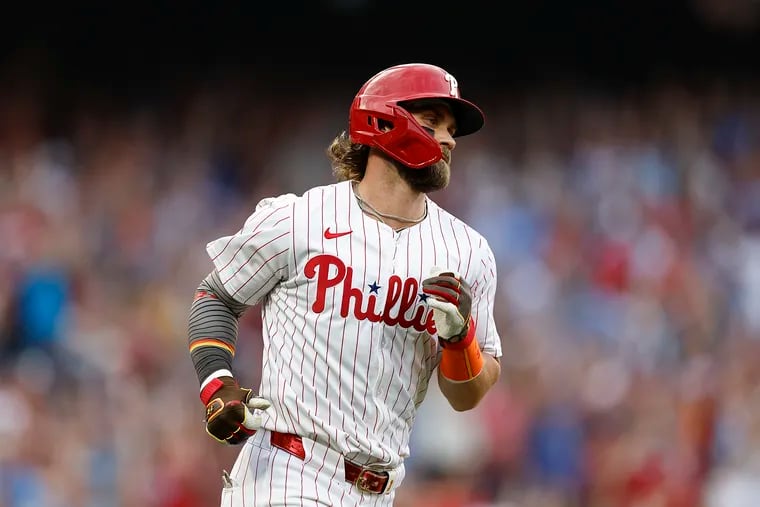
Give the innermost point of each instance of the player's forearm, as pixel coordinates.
(213, 327)
(466, 395)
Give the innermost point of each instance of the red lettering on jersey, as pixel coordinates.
(409, 297)
(394, 292)
(401, 292)
(324, 282)
(349, 293)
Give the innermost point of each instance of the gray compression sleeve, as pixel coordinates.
(213, 327)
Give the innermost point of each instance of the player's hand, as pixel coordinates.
(451, 302)
(232, 413)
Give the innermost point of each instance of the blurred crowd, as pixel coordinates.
(626, 229)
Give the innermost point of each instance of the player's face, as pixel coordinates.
(437, 118)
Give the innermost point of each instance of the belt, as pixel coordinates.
(365, 479)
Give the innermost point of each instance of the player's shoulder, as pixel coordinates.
(327, 189)
(271, 210)
(319, 196)
(275, 201)
(314, 197)
(454, 226)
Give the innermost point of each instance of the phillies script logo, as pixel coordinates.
(402, 292)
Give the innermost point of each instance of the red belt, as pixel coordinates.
(372, 481)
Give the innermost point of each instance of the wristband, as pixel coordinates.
(211, 388)
(462, 361)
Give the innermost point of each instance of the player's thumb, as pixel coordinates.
(448, 320)
(443, 306)
(252, 412)
(435, 271)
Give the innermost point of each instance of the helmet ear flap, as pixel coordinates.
(379, 124)
(406, 140)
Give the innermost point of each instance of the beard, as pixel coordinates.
(428, 179)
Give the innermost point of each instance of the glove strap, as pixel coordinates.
(211, 388)
(462, 361)
(464, 342)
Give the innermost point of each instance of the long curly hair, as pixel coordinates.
(348, 159)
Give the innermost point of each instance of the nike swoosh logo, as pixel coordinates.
(333, 235)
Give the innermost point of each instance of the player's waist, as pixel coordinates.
(372, 432)
(369, 478)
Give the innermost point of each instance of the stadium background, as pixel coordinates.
(617, 178)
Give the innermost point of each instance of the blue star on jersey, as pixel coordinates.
(423, 297)
(373, 287)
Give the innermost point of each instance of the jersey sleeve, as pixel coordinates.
(255, 259)
(483, 295)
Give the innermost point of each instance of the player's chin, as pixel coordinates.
(428, 179)
(439, 176)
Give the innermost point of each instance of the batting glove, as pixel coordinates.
(451, 303)
(232, 413)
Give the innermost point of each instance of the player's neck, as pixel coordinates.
(385, 191)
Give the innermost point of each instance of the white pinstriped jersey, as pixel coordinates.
(349, 343)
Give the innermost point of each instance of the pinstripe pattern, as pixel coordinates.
(343, 365)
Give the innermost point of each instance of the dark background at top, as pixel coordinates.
(146, 50)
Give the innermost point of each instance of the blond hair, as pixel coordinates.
(348, 159)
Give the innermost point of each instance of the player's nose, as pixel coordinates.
(447, 140)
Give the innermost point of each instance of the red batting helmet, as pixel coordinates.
(382, 98)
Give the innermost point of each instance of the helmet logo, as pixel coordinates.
(454, 90)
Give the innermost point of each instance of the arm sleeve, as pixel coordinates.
(484, 293)
(212, 328)
(255, 259)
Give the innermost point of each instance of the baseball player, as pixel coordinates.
(367, 287)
